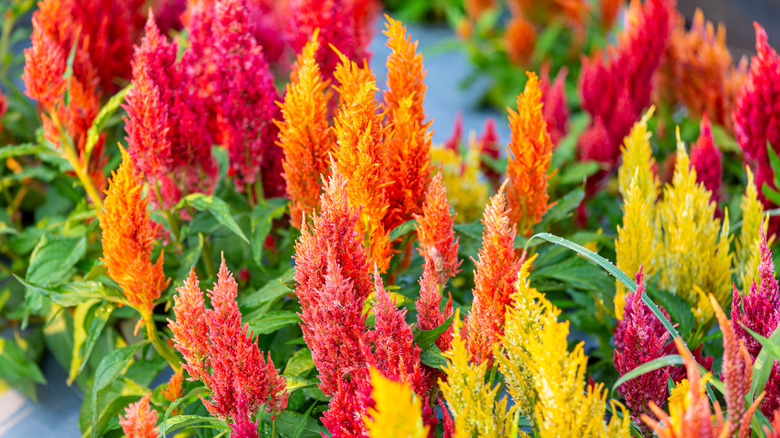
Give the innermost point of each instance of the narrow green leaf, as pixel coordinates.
(288, 423)
(72, 294)
(218, 208)
(665, 361)
(562, 208)
(184, 421)
(100, 315)
(426, 338)
(302, 422)
(11, 151)
(93, 133)
(270, 291)
(295, 383)
(195, 392)
(190, 257)
(107, 371)
(762, 366)
(402, 230)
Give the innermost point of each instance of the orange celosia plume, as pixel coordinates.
(494, 280)
(304, 135)
(361, 157)
(173, 390)
(140, 420)
(530, 151)
(409, 135)
(128, 235)
(438, 244)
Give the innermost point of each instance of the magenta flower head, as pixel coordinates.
(706, 159)
(640, 338)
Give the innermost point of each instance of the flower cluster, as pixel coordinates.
(222, 353)
(128, 236)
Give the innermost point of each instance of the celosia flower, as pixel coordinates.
(438, 244)
(3, 108)
(639, 338)
(128, 236)
(609, 10)
(554, 106)
(244, 99)
(706, 159)
(140, 419)
(472, 401)
(758, 311)
(755, 122)
(695, 68)
(748, 240)
(304, 134)
(222, 353)
(689, 416)
(494, 280)
(408, 140)
(428, 305)
(396, 412)
(531, 150)
(166, 124)
(636, 245)
(737, 372)
(694, 256)
(638, 162)
(173, 390)
(243, 427)
(465, 183)
(347, 25)
(361, 156)
(615, 90)
(488, 144)
(543, 375)
(54, 34)
(519, 39)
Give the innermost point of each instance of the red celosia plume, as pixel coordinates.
(128, 236)
(554, 106)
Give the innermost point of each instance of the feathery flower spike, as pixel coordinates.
(396, 412)
(173, 389)
(140, 420)
(223, 354)
(689, 416)
(409, 135)
(304, 134)
(128, 236)
(494, 279)
(438, 244)
(706, 159)
(639, 338)
(530, 151)
(361, 156)
(748, 240)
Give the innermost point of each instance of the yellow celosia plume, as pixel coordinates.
(694, 257)
(467, 188)
(472, 401)
(397, 413)
(638, 162)
(540, 371)
(747, 254)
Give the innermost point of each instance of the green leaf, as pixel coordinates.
(300, 363)
(567, 147)
(762, 366)
(195, 392)
(665, 361)
(403, 229)
(771, 194)
(190, 257)
(288, 423)
(433, 358)
(273, 321)
(262, 218)
(14, 364)
(724, 140)
(576, 173)
(770, 346)
(107, 371)
(295, 383)
(184, 421)
(426, 338)
(96, 315)
(302, 422)
(774, 162)
(72, 294)
(272, 290)
(53, 257)
(93, 133)
(11, 151)
(217, 207)
(562, 208)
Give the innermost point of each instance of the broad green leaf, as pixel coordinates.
(93, 133)
(403, 229)
(295, 383)
(184, 421)
(53, 257)
(272, 290)
(433, 358)
(218, 208)
(272, 322)
(665, 361)
(96, 316)
(300, 363)
(15, 366)
(426, 338)
(577, 172)
(107, 371)
(262, 218)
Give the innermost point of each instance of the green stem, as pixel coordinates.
(273, 428)
(208, 262)
(169, 216)
(165, 352)
(5, 37)
(73, 158)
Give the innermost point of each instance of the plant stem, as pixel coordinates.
(81, 171)
(172, 220)
(8, 25)
(273, 428)
(165, 352)
(208, 263)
